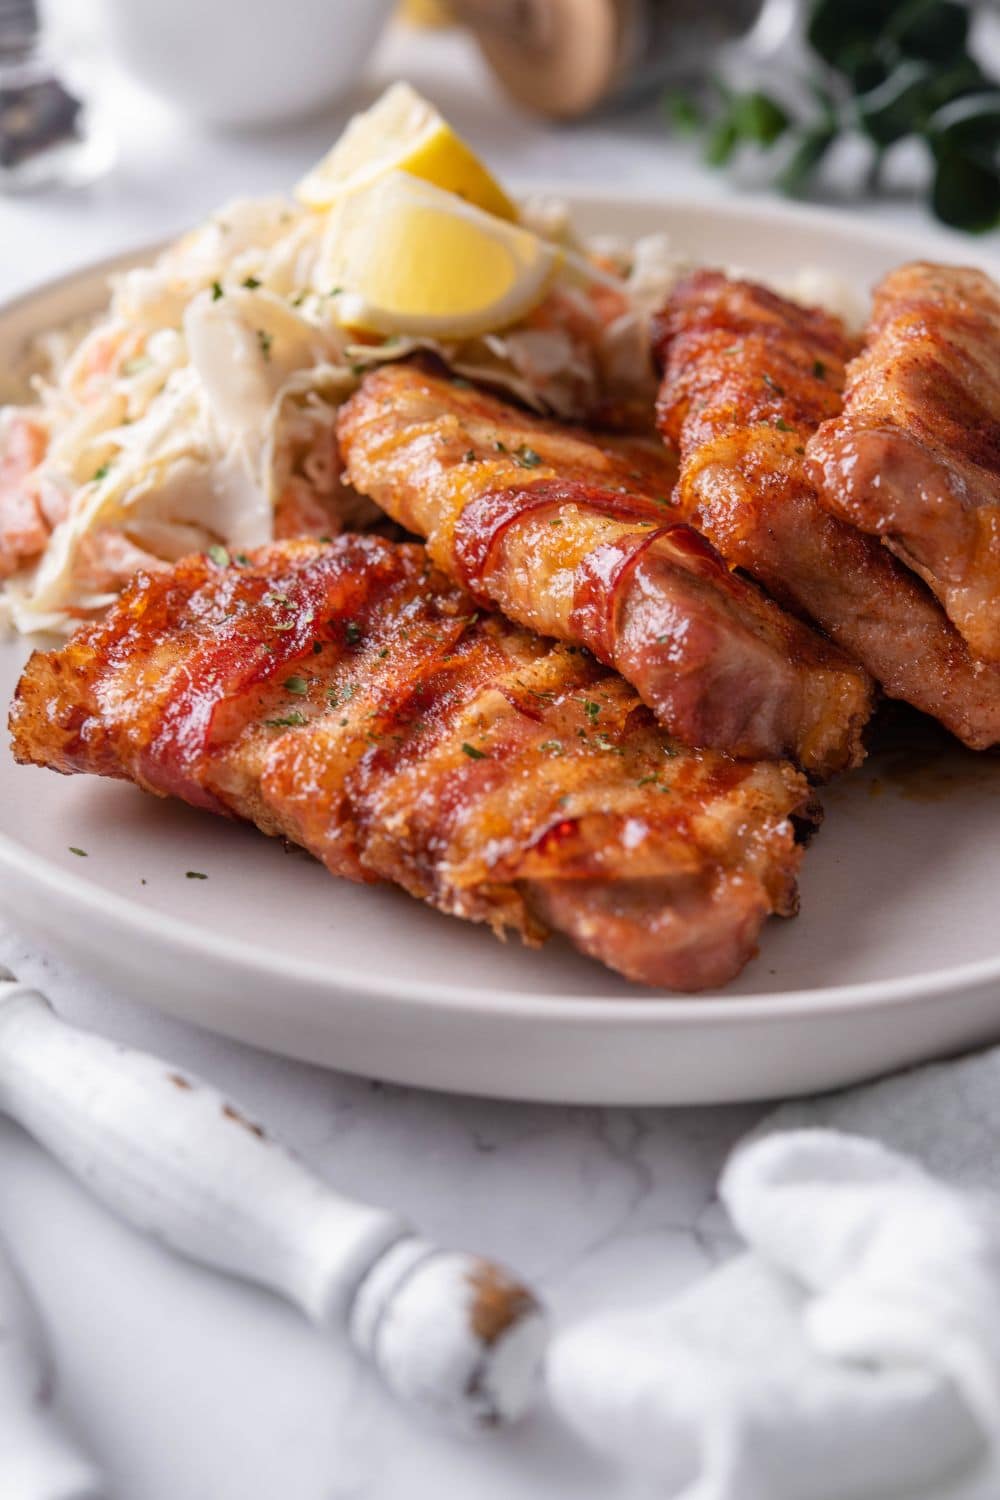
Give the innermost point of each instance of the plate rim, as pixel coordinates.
(497, 1003)
(650, 1008)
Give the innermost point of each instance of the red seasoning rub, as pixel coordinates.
(747, 379)
(573, 534)
(350, 698)
(914, 458)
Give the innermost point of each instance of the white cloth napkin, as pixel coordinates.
(853, 1352)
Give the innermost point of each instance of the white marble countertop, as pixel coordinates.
(189, 1387)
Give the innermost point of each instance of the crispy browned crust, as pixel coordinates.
(914, 457)
(573, 534)
(350, 698)
(748, 377)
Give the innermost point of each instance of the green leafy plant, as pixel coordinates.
(891, 70)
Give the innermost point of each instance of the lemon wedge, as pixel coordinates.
(406, 258)
(404, 132)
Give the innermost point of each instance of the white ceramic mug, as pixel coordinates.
(246, 62)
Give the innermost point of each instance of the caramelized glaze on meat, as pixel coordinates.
(351, 699)
(914, 457)
(748, 378)
(573, 535)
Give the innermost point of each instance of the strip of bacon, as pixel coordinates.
(572, 534)
(748, 378)
(914, 457)
(351, 699)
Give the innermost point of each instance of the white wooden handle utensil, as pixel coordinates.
(446, 1330)
(38, 1458)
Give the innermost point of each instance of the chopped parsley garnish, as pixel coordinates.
(217, 291)
(555, 521)
(552, 747)
(283, 602)
(645, 780)
(352, 630)
(251, 283)
(500, 447)
(342, 695)
(242, 561)
(287, 721)
(383, 653)
(335, 291)
(81, 852)
(219, 556)
(472, 752)
(469, 456)
(526, 457)
(819, 369)
(297, 685)
(773, 385)
(356, 369)
(102, 472)
(194, 875)
(317, 647)
(783, 426)
(591, 709)
(265, 340)
(298, 299)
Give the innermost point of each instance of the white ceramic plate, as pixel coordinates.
(895, 956)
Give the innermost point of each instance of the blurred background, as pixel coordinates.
(124, 120)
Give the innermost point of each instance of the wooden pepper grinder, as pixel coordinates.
(566, 57)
